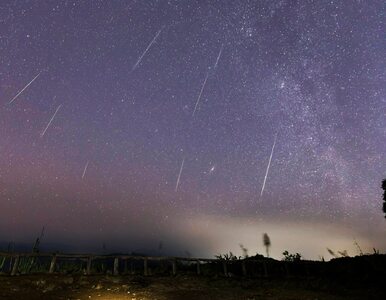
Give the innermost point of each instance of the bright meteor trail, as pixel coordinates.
(49, 123)
(147, 49)
(19, 93)
(85, 169)
(179, 175)
(199, 96)
(269, 164)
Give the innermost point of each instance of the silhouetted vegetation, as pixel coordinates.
(291, 257)
(244, 250)
(384, 195)
(343, 253)
(358, 247)
(227, 256)
(332, 253)
(258, 256)
(35, 248)
(267, 243)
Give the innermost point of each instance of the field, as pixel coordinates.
(179, 287)
(360, 277)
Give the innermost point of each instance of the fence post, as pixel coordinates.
(15, 266)
(307, 269)
(224, 266)
(53, 264)
(174, 266)
(132, 270)
(198, 267)
(286, 267)
(88, 268)
(145, 270)
(116, 266)
(10, 264)
(265, 269)
(244, 267)
(31, 264)
(125, 267)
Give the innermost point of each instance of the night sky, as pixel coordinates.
(189, 127)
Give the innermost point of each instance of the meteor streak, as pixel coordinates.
(218, 56)
(199, 96)
(85, 169)
(269, 164)
(49, 123)
(19, 93)
(179, 175)
(147, 49)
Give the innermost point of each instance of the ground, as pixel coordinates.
(186, 287)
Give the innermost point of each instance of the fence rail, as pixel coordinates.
(10, 264)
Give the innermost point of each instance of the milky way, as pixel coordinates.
(146, 85)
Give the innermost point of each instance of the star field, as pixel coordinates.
(144, 114)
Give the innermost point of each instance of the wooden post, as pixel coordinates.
(81, 264)
(145, 270)
(307, 269)
(287, 271)
(125, 266)
(116, 266)
(265, 269)
(10, 264)
(244, 267)
(53, 264)
(198, 267)
(88, 268)
(31, 264)
(174, 267)
(15, 266)
(224, 266)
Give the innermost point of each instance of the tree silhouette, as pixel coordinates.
(267, 243)
(384, 195)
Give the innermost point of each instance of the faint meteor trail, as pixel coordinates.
(85, 169)
(49, 123)
(269, 164)
(147, 49)
(199, 96)
(218, 56)
(206, 78)
(179, 175)
(19, 93)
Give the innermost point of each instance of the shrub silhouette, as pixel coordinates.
(291, 257)
(227, 256)
(244, 250)
(332, 253)
(384, 195)
(267, 243)
(343, 253)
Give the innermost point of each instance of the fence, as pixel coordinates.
(89, 264)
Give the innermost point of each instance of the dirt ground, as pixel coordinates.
(183, 287)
